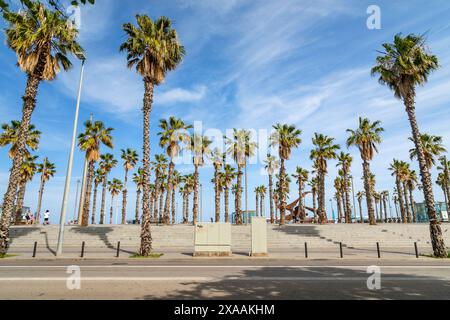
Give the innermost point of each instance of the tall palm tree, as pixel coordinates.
(302, 176)
(153, 47)
(10, 135)
(411, 183)
(257, 195)
(199, 146)
(42, 40)
(432, 148)
(397, 168)
(189, 182)
(272, 165)
(90, 141)
(138, 179)
(325, 149)
(227, 177)
(345, 162)
(338, 186)
(47, 171)
(98, 179)
(130, 159)
(285, 137)
(360, 195)
(27, 172)
(218, 159)
(174, 131)
(385, 196)
(366, 138)
(240, 147)
(114, 187)
(405, 64)
(262, 194)
(107, 163)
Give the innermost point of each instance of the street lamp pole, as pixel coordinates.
(332, 209)
(69, 169)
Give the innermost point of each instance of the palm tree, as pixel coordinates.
(10, 134)
(130, 159)
(189, 182)
(302, 176)
(107, 163)
(338, 196)
(199, 145)
(325, 150)
(432, 147)
(411, 183)
(360, 195)
(257, 194)
(405, 64)
(41, 39)
(366, 138)
(47, 171)
(442, 182)
(114, 187)
(262, 194)
(272, 165)
(385, 196)
(218, 159)
(138, 179)
(173, 132)
(286, 137)
(98, 179)
(226, 178)
(397, 168)
(153, 47)
(345, 162)
(27, 172)
(240, 147)
(90, 141)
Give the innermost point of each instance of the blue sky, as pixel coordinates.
(249, 64)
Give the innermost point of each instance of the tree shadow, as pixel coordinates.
(311, 284)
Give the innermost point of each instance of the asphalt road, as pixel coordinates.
(224, 279)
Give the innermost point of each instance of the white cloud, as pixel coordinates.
(181, 95)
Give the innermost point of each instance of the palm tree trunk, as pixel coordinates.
(261, 206)
(339, 208)
(385, 209)
(314, 204)
(301, 210)
(152, 218)
(187, 209)
(173, 206)
(408, 212)
(444, 191)
(323, 219)
(161, 206)
(87, 199)
(138, 197)
(376, 210)
(361, 216)
(146, 237)
(217, 193)
(157, 191)
(282, 193)
(238, 213)
(124, 198)
(437, 239)
(400, 199)
(368, 189)
(344, 207)
(196, 187)
(39, 205)
(111, 210)
(227, 216)
(102, 208)
(169, 193)
(257, 205)
(19, 204)
(413, 209)
(271, 199)
(94, 204)
(29, 102)
(348, 207)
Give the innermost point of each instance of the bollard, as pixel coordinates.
(82, 250)
(306, 250)
(118, 250)
(416, 249)
(378, 250)
(341, 250)
(34, 249)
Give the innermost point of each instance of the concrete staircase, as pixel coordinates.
(181, 237)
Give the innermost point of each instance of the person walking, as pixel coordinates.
(47, 218)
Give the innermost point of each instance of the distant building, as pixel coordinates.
(421, 210)
(246, 217)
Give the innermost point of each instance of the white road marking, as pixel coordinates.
(225, 267)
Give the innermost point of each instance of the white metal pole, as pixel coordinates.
(69, 169)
